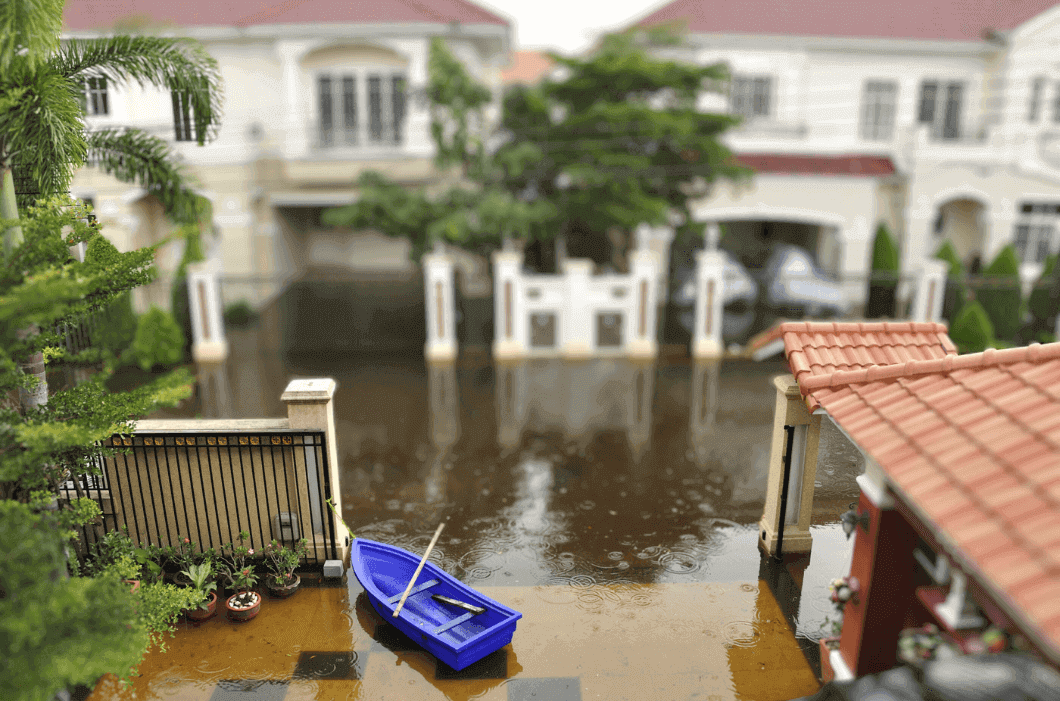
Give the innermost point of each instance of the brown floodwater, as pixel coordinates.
(613, 502)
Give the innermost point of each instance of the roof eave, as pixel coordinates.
(315, 29)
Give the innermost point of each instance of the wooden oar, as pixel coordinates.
(418, 569)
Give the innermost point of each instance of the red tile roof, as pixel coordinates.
(862, 166)
(102, 14)
(973, 440)
(527, 67)
(951, 20)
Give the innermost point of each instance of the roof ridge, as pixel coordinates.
(1035, 352)
(862, 326)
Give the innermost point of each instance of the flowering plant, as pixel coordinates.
(184, 553)
(233, 562)
(842, 591)
(282, 560)
(244, 579)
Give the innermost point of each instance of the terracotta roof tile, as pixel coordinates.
(974, 440)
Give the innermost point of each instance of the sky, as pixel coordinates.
(568, 26)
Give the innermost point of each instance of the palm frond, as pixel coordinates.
(42, 131)
(175, 64)
(134, 156)
(31, 27)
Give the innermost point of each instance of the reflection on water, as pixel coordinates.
(606, 470)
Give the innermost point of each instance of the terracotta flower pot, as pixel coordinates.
(242, 612)
(284, 590)
(134, 584)
(200, 614)
(827, 645)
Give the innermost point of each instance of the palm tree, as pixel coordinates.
(42, 127)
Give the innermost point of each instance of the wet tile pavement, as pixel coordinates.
(601, 641)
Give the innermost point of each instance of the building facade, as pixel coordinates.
(315, 94)
(940, 119)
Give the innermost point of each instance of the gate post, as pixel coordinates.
(441, 322)
(642, 334)
(578, 324)
(930, 289)
(710, 289)
(785, 524)
(509, 339)
(207, 323)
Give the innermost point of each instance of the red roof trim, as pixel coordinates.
(851, 165)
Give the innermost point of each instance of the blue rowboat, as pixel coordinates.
(454, 634)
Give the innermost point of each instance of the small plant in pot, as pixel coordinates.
(184, 557)
(246, 603)
(282, 561)
(233, 559)
(199, 575)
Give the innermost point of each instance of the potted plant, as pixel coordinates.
(232, 559)
(184, 557)
(201, 583)
(281, 560)
(245, 604)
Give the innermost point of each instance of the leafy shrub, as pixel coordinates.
(956, 289)
(1042, 305)
(884, 283)
(240, 314)
(1000, 294)
(159, 340)
(971, 330)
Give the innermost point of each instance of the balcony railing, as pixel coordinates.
(361, 136)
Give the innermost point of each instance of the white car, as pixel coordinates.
(738, 299)
(794, 283)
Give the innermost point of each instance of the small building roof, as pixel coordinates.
(527, 67)
(972, 440)
(947, 20)
(102, 14)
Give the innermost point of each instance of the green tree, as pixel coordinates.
(971, 330)
(616, 141)
(52, 631)
(884, 283)
(956, 289)
(999, 293)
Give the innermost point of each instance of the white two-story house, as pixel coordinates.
(315, 94)
(940, 118)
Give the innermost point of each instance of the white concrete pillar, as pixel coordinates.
(642, 337)
(310, 406)
(295, 121)
(441, 306)
(207, 323)
(790, 410)
(509, 335)
(578, 325)
(930, 291)
(712, 235)
(710, 289)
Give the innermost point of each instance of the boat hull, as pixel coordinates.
(455, 636)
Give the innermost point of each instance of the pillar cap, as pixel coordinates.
(314, 390)
(788, 385)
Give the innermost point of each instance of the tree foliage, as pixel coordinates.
(884, 284)
(614, 142)
(999, 293)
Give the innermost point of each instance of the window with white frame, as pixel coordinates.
(95, 96)
(1035, 105)
(357, 108)
(750, 96)
(877, 110)
(940, 107)
(1035, 236)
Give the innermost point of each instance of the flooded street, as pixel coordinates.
(613, 502)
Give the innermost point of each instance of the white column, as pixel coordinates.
(509, 339)
(712, 235)
(294, 122)
(710, 288)
(207, 324)
(441, 321)
(642, 330)
(578, 324)
(930, 290)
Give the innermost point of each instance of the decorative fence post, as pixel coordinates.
(577, 322)
(441, 321)
(710, 286)
(207, 324)
(508, 335)
(310, 407)
(930, 289)
(642, 337)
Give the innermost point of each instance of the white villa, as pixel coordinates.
(940, 118)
